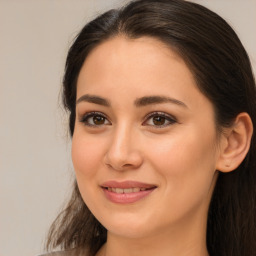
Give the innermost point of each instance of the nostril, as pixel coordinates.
(120, 158)
(127, 165)
(119, 168)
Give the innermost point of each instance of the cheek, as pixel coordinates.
(187, 165)
(86, 155)
(181, 152)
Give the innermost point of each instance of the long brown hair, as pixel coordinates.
(223, 73)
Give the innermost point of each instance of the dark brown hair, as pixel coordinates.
(223, 73)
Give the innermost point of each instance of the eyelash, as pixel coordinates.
(86, 117)
(167, 118)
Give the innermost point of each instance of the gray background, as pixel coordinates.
(35, 166)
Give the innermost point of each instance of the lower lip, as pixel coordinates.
(127, 198)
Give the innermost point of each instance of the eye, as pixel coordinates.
(159, 120)
(94, 119)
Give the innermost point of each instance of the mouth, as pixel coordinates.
(126, 192)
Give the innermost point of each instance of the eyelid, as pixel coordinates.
(89, 114)
(168, 117)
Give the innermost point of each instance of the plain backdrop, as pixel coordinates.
(35, 166)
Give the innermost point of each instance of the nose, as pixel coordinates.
(123, 152)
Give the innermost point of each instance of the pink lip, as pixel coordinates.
(126, 198)
(126, 184)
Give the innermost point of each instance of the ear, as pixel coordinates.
(235, 143)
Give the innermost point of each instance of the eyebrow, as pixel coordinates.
(94, 99)
(140, 102)
(150, 100)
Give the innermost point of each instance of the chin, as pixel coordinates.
(127, 227)
(129, 232)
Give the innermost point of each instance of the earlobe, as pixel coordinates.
(235, 143)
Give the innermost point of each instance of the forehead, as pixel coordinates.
(132, 68)
(146, 58)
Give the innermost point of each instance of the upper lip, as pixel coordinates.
(126, 184)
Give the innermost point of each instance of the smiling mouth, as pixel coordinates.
(126, 190)
(126, 195)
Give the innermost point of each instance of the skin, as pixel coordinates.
(180, 157)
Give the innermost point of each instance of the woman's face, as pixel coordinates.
(145, 147)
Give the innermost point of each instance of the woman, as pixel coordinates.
(161, 98)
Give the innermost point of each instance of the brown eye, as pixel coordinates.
(94, 119)
(99, 120)
(159, 120)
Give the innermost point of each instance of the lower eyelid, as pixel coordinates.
(168, 118)
(84, 119)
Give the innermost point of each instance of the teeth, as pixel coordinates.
(126, 190)
(136, 189)
(119, 191)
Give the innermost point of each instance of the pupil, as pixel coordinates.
(158, 120)
(98, 120)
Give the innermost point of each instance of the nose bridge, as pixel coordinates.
(121, 137)
(122, 151)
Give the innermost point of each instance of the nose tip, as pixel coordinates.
(121, 162)
(123, 154)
